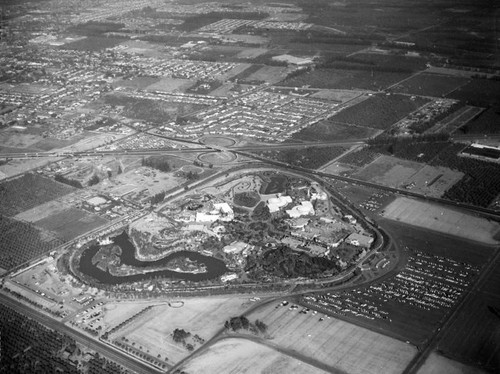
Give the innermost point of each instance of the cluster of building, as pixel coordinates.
(261, 114)
(141, 141)
(227, 26)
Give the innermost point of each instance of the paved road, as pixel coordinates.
(98, 346)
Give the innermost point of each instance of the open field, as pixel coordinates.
(389, 171)
(336, 95)
(244, 356)
(250, 53)
(71, 222)
(395, 172)
(28, 191)
(380, 111)
(269, 74)
(171, 85)
(329, 130)
(437, 364)
(198, 316)
(481, 182)
(442, 219)
(430, 85)
(20, 242)
(433, 180)
(93, 43)
(340, 345)
(139, 182)
(136, 82)
(61, 218)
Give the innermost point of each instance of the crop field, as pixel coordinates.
(345, 79)
(203, 317)
(28, 191)
(430, 85)
(311, 158)
(379, 111)
(329, 130)
(474, 337)
(339, 345)
(20, 242)
(389, 171)
(437, 364)
(443, 219)
(235, 355)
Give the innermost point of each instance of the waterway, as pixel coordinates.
(215, 267)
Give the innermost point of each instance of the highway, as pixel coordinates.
(96, 345)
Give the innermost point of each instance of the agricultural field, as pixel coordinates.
(485, 123)
(234, 355)
(28, 191)
(345, 79)
(479, 92)
(379, 111)
(329, 130)
(310, 158)
(339, 345)
(26, 343)
(445, 220)
(430, 85)
(437, 364)
(474, 336)
(388, 60)
(199, 316)
(21, 241)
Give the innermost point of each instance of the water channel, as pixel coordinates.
(215, 267)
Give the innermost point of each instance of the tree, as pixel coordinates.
(94, 180)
